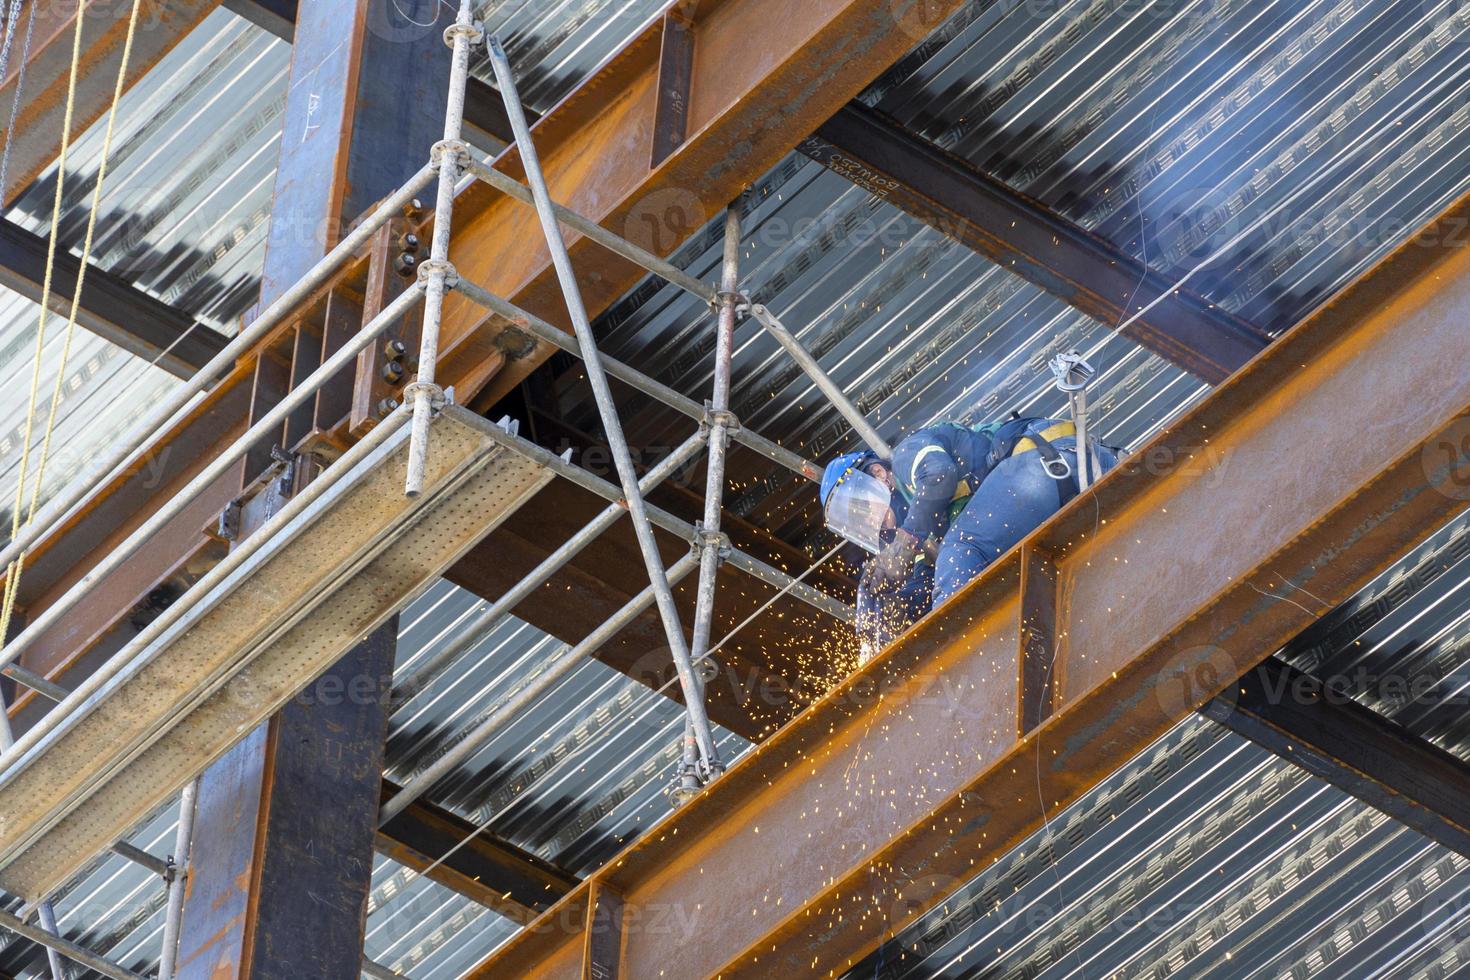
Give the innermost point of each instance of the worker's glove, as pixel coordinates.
(892, 564)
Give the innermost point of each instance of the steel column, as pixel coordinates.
(286, 820)
(1171, 581)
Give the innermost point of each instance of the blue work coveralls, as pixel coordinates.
(966, 488)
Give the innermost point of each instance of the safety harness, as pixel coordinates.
(1015, 437)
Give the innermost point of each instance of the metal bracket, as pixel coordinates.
(515, 343)
(474, 31)
(704, 540)
(459, 149)
(739, 299)
(432, 267)
(228, 526)
(437, 397)
(713, 417)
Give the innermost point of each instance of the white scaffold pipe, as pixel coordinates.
(633, 378)
(178, 884)
(606, 407)
(681, 529)
(241, 553)
(169, 410)
(73, 952)
(720, 423)
(556, 669)
(217, 468)
(466, 637)
(585, 226)
(822, 380)
(449, 157)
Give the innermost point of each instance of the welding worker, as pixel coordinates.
(886, 606)
(970, 493)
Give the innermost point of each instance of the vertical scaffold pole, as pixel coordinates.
(45, 913)
(178, 884)
(437, 274)
(606, 407)
(721, 422)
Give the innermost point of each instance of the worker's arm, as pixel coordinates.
(927, 477)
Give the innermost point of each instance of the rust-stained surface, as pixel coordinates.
(37, 140)
(1171, 581)
(765, 73)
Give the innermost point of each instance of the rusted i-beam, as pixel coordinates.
(1278, 496)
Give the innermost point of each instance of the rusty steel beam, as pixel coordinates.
(489, 871)
(1316, 726)
(1023, 236)
(1274, 499)
(764, 74)
(37, 137)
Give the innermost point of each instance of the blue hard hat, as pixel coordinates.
(843, 465)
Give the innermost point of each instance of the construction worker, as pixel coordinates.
(886, 606)
(968, 495)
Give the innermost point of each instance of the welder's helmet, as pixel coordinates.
(856, 504)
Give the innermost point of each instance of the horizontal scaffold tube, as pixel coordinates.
(216, 469)
(633, 378)
(179, 399)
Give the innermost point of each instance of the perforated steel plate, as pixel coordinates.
(332, 576)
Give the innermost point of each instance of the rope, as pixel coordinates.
(13, 574)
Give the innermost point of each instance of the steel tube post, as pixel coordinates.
(633, 378)
(586, 226)
(483, 623)
(178, 884)
(1084, 453)
(822, 380)
(179, 398)
(570, 658)
(448, 156)
(44, 911)
(714, 484)
(607, 408)
(216, 469)
(46, 915)
(70, 950)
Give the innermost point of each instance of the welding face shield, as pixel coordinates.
(860, 508)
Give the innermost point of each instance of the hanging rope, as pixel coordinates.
(13, 574)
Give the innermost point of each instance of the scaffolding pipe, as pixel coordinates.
(822, 380)
(635, 379)
(179, 398)
(606, 407)
(473, 633)
(178, 884)
(339, 361)
(243, 551)
(44, 910)
(720, 424)
(426, 396)
(681, 529)
(70, 950)
(587, 227)
(46, 915)
(562, 664)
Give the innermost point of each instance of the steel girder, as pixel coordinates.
(1275, 498)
